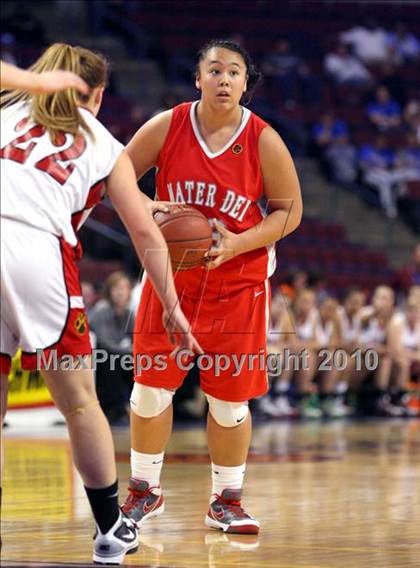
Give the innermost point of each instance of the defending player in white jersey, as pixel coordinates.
(57, 160)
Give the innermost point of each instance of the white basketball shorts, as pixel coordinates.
(41, 301)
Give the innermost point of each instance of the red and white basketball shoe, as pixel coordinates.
(225, 513)
(143, 502)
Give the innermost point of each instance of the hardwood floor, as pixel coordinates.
(328, 495)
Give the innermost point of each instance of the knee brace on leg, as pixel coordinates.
(227, 414)
(148, 402)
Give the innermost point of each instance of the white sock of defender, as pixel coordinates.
(226, 477)
(146, 467)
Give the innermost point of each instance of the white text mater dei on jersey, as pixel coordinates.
(202, 193)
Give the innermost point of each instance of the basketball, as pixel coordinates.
(188, 234)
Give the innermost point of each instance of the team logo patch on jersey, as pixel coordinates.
(80, 323)
(237, 148)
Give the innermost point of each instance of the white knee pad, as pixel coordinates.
(148, 402)
(228, 414)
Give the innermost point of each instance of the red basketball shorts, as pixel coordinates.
(41, 301)
(231, 329)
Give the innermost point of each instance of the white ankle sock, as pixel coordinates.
(146, 467)
(226, 477)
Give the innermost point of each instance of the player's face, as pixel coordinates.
(383, 300)
(354, 302)
(120, 293)
(328, 310)
(413, 314)
(305, 303)
(222, 77)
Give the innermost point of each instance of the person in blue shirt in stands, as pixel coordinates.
(328, 129)
(376, 162)
(384, 112)
(403, 46)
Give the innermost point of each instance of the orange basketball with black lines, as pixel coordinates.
(188, 235)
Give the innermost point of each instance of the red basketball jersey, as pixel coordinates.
(226, 185)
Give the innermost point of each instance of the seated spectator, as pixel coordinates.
(353, 302)
(404, 344)
(279, 306)
(374, 323)
(290, 76)
(113, 324)
(345, 69)
(376, 162)
(303, 319)
(412, 115)
(89, 295)
(348, 314)
(318, 283)
(407, 161)
(341, 157)
(330, 336)
(384, 112)
(294, 281)
(403, 46)
(298, 334)
(282, 67)
(328, 129)
(368, 42)
(271, 404)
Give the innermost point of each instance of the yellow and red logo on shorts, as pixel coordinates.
(80, 323)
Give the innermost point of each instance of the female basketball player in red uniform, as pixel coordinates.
(57, 160)
(217, 156)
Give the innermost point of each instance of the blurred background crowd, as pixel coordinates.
(341, 86)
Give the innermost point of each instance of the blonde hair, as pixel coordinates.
(59, 112)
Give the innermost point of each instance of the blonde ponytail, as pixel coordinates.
(59, 112)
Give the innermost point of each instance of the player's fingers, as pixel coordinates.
(174, 352)
(81, 86)
(67, 79)
(213, 251)
(219, 227)
(160, 208)
(212, 264)
(196, 346)
(171, 336)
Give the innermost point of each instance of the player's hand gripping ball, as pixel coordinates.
(188, 235)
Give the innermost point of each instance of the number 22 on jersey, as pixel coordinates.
(51, 163)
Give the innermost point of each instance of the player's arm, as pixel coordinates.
(336, 340)
(13, 77)
(147, 142)
(287, 331)
(395, 341)
(149, 243)
(143, 149)
(282, 191)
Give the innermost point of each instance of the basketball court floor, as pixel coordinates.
(328, 495)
